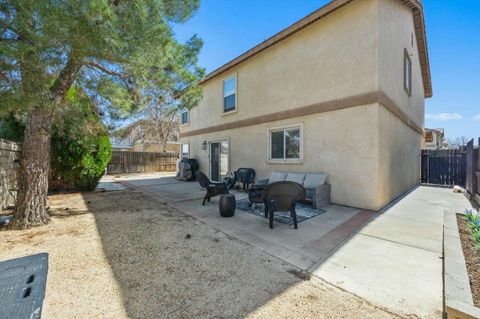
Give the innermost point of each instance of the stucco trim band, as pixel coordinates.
(418, 19)
(334, 105)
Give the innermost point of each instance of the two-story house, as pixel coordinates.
(341, 91)
(434, 139)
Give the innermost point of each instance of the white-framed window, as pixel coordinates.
(184, 117)
(407, 73)
(285, 143)
(230, 94)
(185, 150)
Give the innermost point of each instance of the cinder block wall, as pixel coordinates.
(9, 171)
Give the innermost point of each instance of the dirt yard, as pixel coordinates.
(124, 255)
(472, 258)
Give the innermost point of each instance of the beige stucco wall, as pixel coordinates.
(332, 58)
(399, 145)
(396, 29)
(399, 157)
(370, 155)
(342, 144)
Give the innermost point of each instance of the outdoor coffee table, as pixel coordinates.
(22, 286)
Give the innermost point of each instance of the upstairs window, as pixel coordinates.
(230, 94)
(184, 118)
(407, 73)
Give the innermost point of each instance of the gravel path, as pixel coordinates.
(124, 255)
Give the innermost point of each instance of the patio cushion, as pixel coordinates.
(277, 177)
(295, 177)
(312, 180)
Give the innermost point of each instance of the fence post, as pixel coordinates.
(470, 167)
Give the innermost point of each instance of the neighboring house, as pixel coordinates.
(341, 91)
(434, 139)
(133, 138)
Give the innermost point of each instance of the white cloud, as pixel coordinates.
(476, 118)
(444, 116)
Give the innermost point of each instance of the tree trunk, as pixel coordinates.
(31, 207)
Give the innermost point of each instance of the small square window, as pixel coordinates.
(407, 73)
(229, 94)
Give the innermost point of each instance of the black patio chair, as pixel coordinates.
(282, 197)
(213, 189)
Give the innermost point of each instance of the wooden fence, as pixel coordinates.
(444, 167)
(10, 153)
(141, 162)
(473, 170)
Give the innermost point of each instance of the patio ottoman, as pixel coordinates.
(227, 205)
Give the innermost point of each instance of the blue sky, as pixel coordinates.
(231, 27)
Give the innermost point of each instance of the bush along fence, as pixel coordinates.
(10, 153)
(141, 162)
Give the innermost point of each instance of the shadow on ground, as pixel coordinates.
(171, 265)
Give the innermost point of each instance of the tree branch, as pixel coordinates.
(105, 70)
(8, 40)
(6, 26)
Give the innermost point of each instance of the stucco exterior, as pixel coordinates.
(369, 148)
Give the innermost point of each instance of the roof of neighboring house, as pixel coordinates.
(418, 18)
(436, 130)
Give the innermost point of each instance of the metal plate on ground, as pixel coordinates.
(22, 286)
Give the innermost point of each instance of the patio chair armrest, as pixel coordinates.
(321, 195)
(214, 184)
(262, 182)
(217, 183)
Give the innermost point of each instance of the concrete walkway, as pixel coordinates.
(396, 260)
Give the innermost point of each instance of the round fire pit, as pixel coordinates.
(227, 205)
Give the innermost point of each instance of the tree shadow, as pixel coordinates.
(169, 264)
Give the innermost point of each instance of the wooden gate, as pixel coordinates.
(444, 167)
(141, 162)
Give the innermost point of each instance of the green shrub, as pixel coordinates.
(81, 148)
(473, 219)
(78, 164)
(12, 126)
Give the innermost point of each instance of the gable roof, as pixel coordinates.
(418, 18)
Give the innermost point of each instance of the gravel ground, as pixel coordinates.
(124, 255)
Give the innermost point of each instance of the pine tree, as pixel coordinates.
(112, 49)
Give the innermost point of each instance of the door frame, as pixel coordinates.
(218, 140)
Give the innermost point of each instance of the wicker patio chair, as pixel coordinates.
(282, 197)
(213, 189)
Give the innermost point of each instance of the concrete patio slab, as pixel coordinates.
(406, 280)
(395, 260)
(406, 231)
(313, 242)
